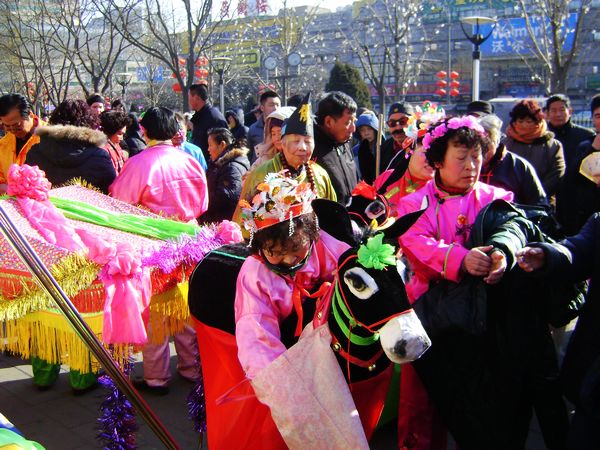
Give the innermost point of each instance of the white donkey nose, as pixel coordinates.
(403, 338)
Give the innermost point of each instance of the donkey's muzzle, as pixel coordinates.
(403, 338)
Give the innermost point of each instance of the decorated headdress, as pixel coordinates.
(420, 121)
(440, 129)
(278, 199)
(301, 120)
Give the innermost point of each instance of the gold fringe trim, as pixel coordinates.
(169, 313)
(74, 273)
(49, 336)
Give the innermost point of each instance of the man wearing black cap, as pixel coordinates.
(335, 125)
(479, 108)
(392, 151)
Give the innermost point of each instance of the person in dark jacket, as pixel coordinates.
(133, 141)
(71, 147)
(577, 258)
(579, 197)
(486, 380)
(528, 137)
(228, 165)
(269, 101)
(509, 171)
(558, 115)
(393, 152)
(206, 117)
(335, 124)
(235, 120)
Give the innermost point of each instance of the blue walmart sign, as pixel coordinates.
(510, 37)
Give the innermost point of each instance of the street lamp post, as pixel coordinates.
(220, 64)
(476, 39)
(123, 79)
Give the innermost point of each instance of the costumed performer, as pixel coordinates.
(298, 146)
(435, 247)
(167, 181)
(418, 171)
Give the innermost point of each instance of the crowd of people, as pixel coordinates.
(505, 207)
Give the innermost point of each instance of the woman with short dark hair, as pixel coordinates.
(113, 125)
(71, 147)
(528, 137)
(167, 181)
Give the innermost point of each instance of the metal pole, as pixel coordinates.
(475, 87)
(48, 284)
(378, 146)
(221, 92)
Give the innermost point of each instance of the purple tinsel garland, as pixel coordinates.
(118, 426)
(187, 250)
(197, 406)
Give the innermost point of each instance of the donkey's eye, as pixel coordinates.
(360, 283)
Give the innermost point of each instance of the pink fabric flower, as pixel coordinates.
(27, 181)
(230, 232)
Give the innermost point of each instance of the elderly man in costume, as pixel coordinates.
(298, 146)
(19, 121)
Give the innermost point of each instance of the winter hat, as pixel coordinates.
(301, 120)
(402, 108)
(278, 117)
(479, 108)
(368, 119)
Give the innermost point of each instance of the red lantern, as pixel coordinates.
(203, 73)
(441, 92)
(454, 92)
(261, 87)
(454, 83)
(441, 74)
(202, 61)
(441, 83)
(454, 75)
(174, 75)
(177, 87)
(182, 61)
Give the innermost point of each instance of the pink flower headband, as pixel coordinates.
(452, 124)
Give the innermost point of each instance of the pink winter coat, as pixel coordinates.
(165, 180)
(263, 300)
(435, 244)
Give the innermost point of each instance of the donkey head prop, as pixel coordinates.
(370, 316)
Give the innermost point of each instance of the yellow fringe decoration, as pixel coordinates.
(169, 313)
(74, 273)
(48, 335)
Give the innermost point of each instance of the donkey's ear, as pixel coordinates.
(402, 224)
(334, 219)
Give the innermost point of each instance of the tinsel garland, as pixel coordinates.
(197, 406)
(118, 427)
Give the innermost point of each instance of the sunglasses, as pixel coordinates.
(402, 122)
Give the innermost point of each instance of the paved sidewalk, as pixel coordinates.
(60, 421)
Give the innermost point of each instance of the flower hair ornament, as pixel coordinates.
(278, 198)
(438, 130)
(418, 123)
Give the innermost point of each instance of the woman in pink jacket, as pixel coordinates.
(169, 182)
(435, 248)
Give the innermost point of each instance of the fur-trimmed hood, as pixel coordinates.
(68, 145)
(72, 133)
(229, 155)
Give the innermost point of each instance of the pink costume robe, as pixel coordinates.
(434, 245)
(165, 180)
(264, 299)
